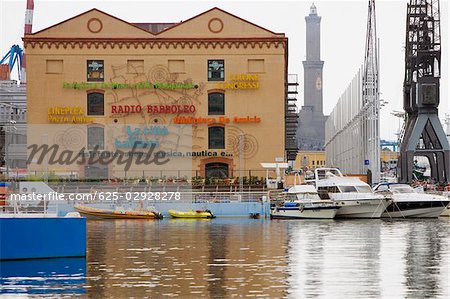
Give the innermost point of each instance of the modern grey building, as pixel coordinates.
(311, 123)
(13, 121)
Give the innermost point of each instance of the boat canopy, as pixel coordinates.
(340, 181)
(302, 189)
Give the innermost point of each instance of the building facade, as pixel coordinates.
(211, 89)
(311, 127)
(13, 140)
(309, 160)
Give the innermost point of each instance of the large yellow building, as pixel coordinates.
(211, 89)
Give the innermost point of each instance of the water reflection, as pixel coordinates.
(225, 258)
(43, 276)
(186, 258)
(332, 258)
(217, 256)
(423, 257)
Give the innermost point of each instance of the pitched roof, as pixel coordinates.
(199, 26)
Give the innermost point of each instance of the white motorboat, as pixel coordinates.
(446, 212)
(303, 202)
(409, 203)
(354, 197)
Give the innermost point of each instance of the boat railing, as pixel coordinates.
(29, 207)
(228, 196)
(350, 195)
(155, 187)
(277, 196)
(170, 196)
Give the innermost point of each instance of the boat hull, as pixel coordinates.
(368, 208)
(305, 213)
(91, 213)
(41, 237)
(415, 209)
(190, 215)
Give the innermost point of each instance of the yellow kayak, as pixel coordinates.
(192, 214)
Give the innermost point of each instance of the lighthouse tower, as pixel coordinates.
(311, 128)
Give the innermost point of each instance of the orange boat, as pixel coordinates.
(96, 213)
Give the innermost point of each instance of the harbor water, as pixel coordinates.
(237, 257)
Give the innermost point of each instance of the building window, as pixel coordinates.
(216, 137)
(216, 103)
(96, 138)
(95, 70)
(216, 70)
(216, 170)
(95, 104)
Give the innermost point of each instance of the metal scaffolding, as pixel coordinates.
(290, 117)
(352, 131)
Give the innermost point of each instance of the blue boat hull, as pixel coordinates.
(27, 238)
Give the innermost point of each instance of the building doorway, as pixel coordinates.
(216, 170)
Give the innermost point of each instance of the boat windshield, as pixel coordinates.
(307, 196)
(291, 197)
(325, 173)
(363, 189)
(401, 189)
(346, 189)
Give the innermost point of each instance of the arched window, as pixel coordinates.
(95, 104)
(216, 137)
(216, 170)
(96, 138)
(216, 103)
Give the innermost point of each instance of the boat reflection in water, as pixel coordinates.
(243, 257)
(53, 276)
(270, 259)
(395, 259)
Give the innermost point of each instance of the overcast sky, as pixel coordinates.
(343, 36)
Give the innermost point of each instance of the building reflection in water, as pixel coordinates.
(423, 257)
(98, 255)
(188, 258)
(247, 258)
(337, 259)
(415, 258)
(217, 255)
